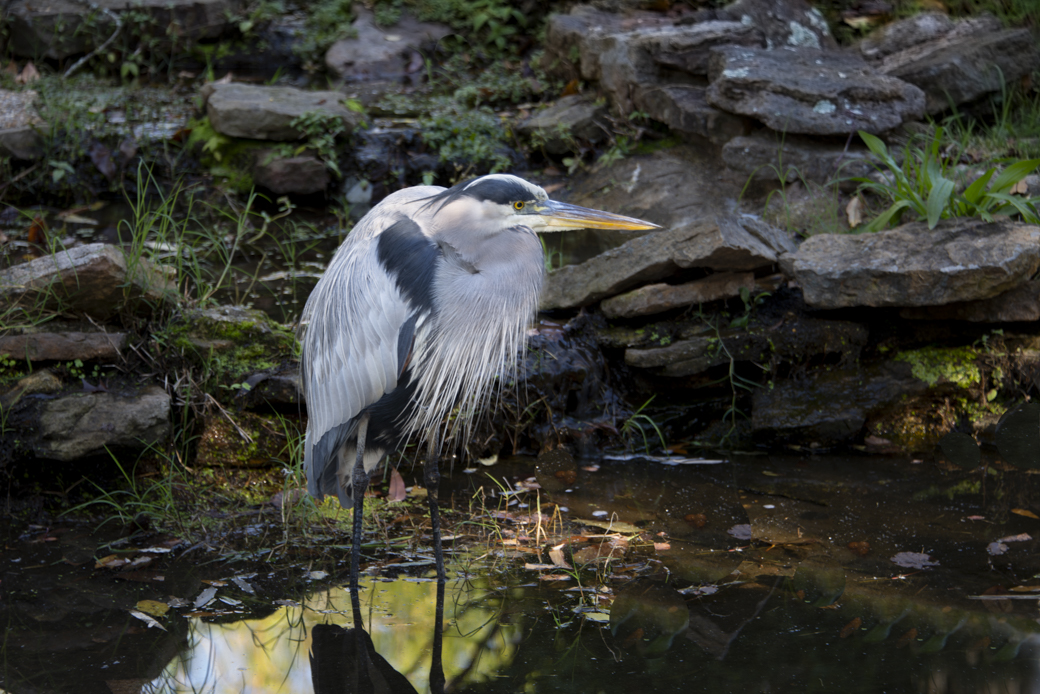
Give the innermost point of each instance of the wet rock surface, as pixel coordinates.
(300, 175)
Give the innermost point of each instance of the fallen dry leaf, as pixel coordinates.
(397, 490)
(850, 628)
(854, 211)
(1024, 512)
(28, 74)
(1020, 188)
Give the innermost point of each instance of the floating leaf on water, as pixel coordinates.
(539, 567)
(286, 603)
(600, 514)
(850, 628)
(205, 597)
(662, 546)
(1025, 589)
(556, 555)
(1021, 537)
(177, 602)
(153, 607)
(913, 560)
(77, 219)
(596, 616)
(488, 462)
(243, 585)
(1025, 512)
(230, 601)
(554, 577)
(214, 582)
(741, 532)
(147, 620)
(317, 575)
(613, 526)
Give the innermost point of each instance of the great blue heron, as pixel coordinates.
(424, 304)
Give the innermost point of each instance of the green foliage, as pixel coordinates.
(750, 303)
(320, 130)
(327, 21)
(490, 24)
(924, 186)
(472, 139)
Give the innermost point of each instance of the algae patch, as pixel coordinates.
(934, 365)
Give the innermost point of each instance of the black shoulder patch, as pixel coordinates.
(411, 259)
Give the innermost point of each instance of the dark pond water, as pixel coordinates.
(757, 574)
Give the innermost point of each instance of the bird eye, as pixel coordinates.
(518, 205)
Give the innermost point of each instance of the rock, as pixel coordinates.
(685, 109)
(636, 62)
(574, 41)
(575, 117)
(672, 186)
(95, 278)
(912, 31)
(800, 90)
(379, 53)
(785, 22)
(266, 113)
(687, 48)
(728, 244)
(960, 260)
(765, 155)
(63, 346)
(1019, 304)
(795, 339)
(960, 68)
(20, 125)
(655, 298)
(830, 406)
(58, 29)
(301, 175)
(41, 381)
(81, 424)
(279, 386)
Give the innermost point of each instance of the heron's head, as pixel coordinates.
(498, 202)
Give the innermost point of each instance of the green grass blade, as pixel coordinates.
(938, 199)
(1013, 174)
(883, 219)
(974, 192)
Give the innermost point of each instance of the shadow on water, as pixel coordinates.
(759, 574)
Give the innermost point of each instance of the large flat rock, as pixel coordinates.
(381, 53)
(63, 346)
(655, 298)
(95, 279)
(726, 244)
(962, 67)
(83, 424)
(685, 109)
(771, 156)
(960, 260)
(266, 113)
(801, 90)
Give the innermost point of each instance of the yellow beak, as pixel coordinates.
(560, 216)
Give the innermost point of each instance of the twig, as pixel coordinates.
(119, 27)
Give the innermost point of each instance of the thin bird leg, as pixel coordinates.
(358, 483)
(432, 478)
(436, 662)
